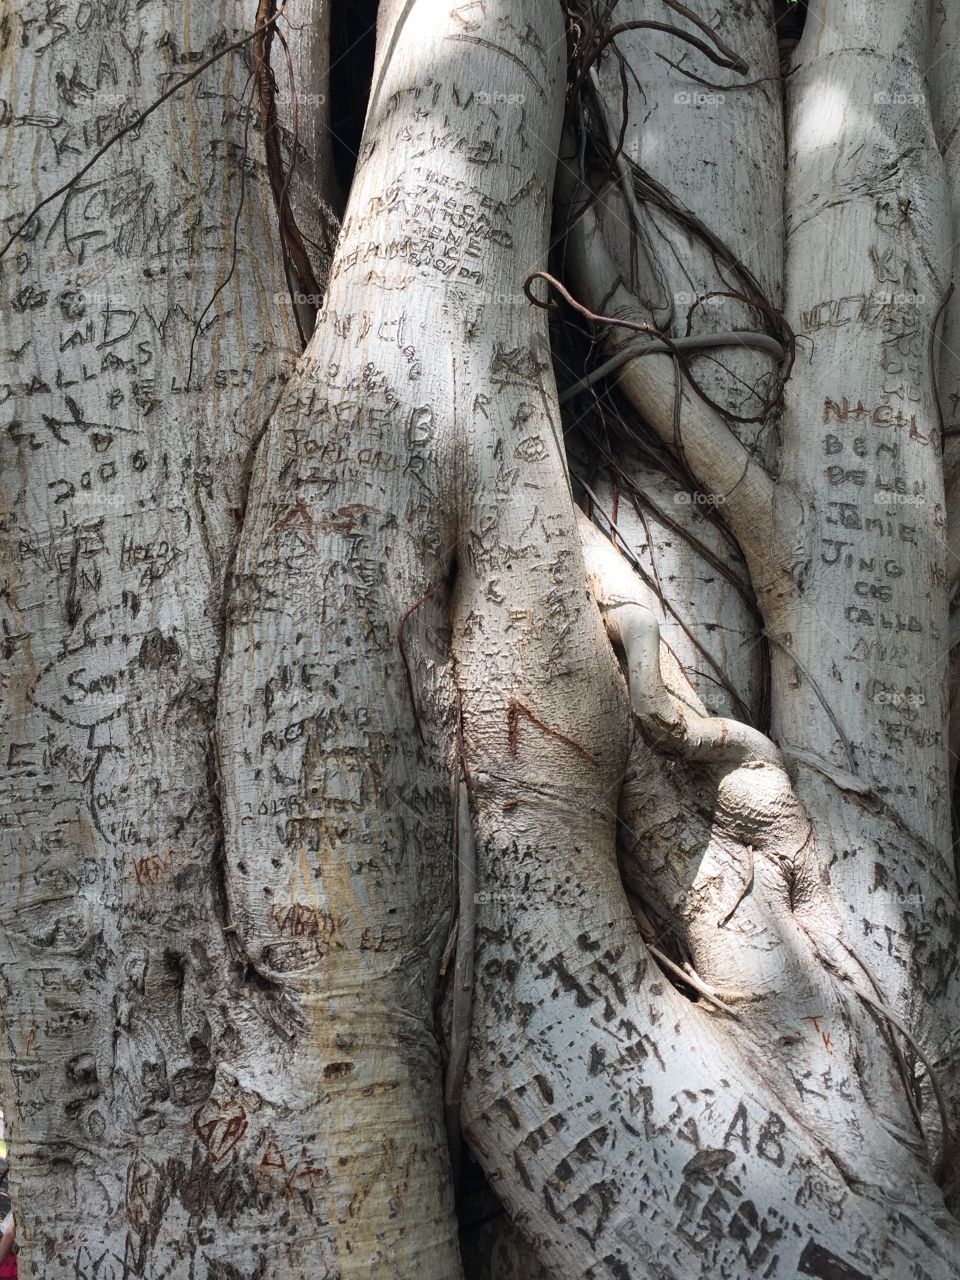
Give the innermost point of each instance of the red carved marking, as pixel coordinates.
(514, 711)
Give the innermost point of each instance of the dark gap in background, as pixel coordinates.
(353, 30)
(790, 19)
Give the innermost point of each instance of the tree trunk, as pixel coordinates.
(400, 753)
(148, 335)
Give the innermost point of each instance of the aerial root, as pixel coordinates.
(466, 880)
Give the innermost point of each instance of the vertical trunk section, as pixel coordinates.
(860, 639)
(338, 709)
(144, 352)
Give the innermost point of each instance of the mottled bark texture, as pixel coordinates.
(147, 334)
(285, 630)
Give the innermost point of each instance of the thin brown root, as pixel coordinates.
(693, 980)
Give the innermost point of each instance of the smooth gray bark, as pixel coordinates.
(270, 615)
